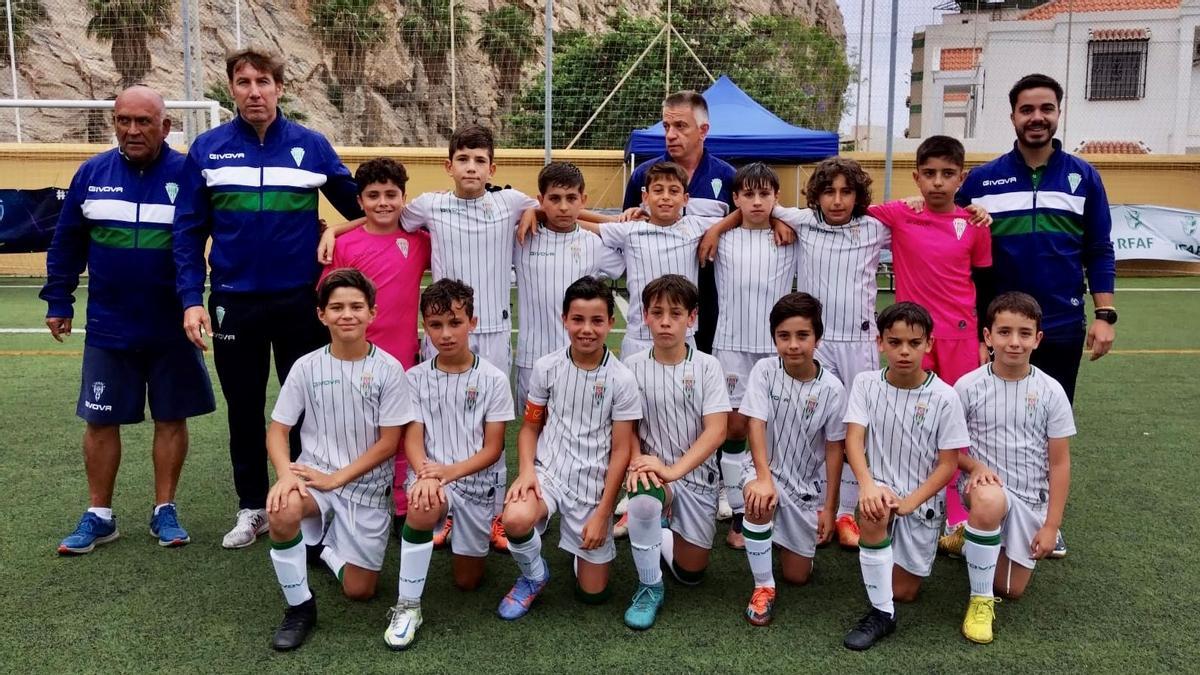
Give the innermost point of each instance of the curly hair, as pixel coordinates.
(831, 168)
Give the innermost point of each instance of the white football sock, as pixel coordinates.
(333, 561)
(528, 555)
(731, 474)
(981, 559)
(414, 565)
(758, 552)
(848, 492)
(645, 537)
(291, 569)
(876, 564)
(102, 512)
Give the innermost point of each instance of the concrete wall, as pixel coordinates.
(1148, 179)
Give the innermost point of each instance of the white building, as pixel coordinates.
(1130, 68)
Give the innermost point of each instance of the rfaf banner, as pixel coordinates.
(1143, 232)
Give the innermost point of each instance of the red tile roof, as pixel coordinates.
(1112, 148)
(960, 58)
(1056, 7)
(1112, 34)
(956, 97)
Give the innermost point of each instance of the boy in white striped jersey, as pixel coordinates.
(354, 399)
(1016, 478)
(472, 231)
(752, 273)
(548, 262)
(795, 408)
(837, 256)
(573, 451)
(904, 430)
(666, 244)
(462, 403)
(684, 412)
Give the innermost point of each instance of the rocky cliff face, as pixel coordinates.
(401, 100)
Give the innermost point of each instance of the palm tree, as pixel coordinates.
(425, 28)
(129, 25)
(350, 29)
(26, 14)
(507, 36)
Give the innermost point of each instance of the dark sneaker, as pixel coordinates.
(873, 627)
(165, 526)
(297, 621)
(92, 531)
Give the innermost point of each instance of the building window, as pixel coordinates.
(1116, 70)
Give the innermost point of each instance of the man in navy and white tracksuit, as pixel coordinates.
(116, 221)
(1051, 235)
(251, 184)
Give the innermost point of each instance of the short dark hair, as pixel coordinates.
(473, 137)
(942, 147)
(754, 176)
(345, 277)
(1034, 81)
(856, 178)
(905, 312)
(798, 304)
(381, 170)
(672, 288)
(588, 288)
(667, 170)
(441, 295)
(690, 98)
(1016, 302)
(560, 174)
(261, 59)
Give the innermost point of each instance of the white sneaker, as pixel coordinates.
(724, 510)
(250, 524)
(403, 622)
(622, 506)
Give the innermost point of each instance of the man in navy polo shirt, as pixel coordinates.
(710, 183)
(116, 221)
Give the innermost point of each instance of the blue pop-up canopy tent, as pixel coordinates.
(741, 129)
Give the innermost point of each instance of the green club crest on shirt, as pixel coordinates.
(689, 386)
(1074, 179)
(598, 390)
(298, 155)
(220, 315)
(472, 396)
(919, 412)
(172, 191)
(716, 186)
(1031, 402)
(810, 405)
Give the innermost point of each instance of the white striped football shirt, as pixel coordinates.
(906, 428)
(837, 264)
(801, 417)
(472, 241)
(1011, 424)
(652, 251)
(752, 274)
(344, 403)
(581, 405)
(675, 399)
(454, 407)
(546, 264)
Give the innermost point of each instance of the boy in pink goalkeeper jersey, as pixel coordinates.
(395, 260)
(942, 263)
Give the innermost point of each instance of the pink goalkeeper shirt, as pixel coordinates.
(933, 254)
(395, 262)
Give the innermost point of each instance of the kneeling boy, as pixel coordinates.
(354, 399)
(685, 412)
(462, 403)
(795, 410)
(904, 428)
(1016, 478)
(573, 450)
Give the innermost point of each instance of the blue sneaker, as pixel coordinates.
(91, 532)
(165, 526)
(518, 601)
(644, 608)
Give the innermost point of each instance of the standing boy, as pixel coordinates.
(666, 244)
(354, 400)
(395, 261)
(573, 450)
(904, 430)
(462, 403)
(941, 258)
(685, 407)
(547, 263)
(1016, 478)
(795, 409)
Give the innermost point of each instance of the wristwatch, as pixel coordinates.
(1107, 315)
